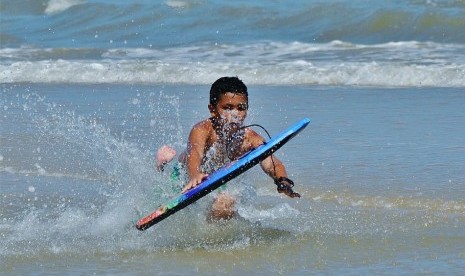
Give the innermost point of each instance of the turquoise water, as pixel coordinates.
(90, 89)
(366, 43)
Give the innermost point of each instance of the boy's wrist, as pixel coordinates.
(285, 186)
(283, 181)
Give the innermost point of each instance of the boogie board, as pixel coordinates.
(222, 175)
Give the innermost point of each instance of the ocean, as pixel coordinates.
(91, 89)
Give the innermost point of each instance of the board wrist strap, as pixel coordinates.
(279, 182)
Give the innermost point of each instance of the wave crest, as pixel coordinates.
(57, 6)
(394, 64)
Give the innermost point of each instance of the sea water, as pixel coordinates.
(90, 90)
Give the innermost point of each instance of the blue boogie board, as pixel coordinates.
(222, 175)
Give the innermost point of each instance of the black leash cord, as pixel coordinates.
(269, 137)
(278, 181)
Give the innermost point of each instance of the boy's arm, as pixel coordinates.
(273, 167)
(195, 153)
(276, 170)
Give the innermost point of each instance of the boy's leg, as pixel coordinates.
(222, 208)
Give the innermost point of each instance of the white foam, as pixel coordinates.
(177, 4)
(57, 6)
(394, 64)
(400, 202)
(279, 211)
(361, 74)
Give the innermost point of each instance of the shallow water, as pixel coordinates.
(91, 88)
(380, 171)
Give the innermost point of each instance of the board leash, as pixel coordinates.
(278, 181)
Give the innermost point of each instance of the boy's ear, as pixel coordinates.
(212, 109)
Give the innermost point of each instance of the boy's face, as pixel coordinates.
(231, 108)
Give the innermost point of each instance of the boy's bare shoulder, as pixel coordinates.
(203, 126)
(201, 132)
(253, 139)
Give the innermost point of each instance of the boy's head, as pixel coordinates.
(228, 101)
(226, 84)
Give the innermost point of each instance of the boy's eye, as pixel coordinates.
(241, 107)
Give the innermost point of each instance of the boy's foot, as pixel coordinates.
(164, 155)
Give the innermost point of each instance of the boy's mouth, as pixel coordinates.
(232, 127)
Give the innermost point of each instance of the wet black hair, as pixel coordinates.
(226, 84)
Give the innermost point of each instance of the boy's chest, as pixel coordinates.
(229, 148)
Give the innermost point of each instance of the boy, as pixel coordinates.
(220, 139)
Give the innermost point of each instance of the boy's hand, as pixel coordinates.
(194, 182)
(289, 192)
(285, 186)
